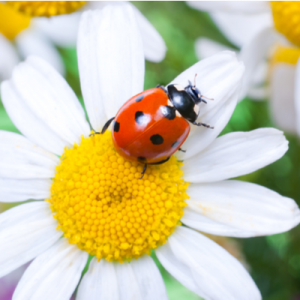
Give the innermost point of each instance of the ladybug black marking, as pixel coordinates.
(156, 139)
(141, 118)
(139, 98)
(183, 102)
(142, 159)
(168, 112)
(116, 126)
(175, 144)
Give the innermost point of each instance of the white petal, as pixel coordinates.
(218, 77)
(99, 282)
(12, 190)
(239, 209)
(43, 107)
(205, 47)
(205, 268)
(30, 42)
(52, 275)
(283, 96)
(149, 279)
(247, 7)
(258, 93)
(61, 30)
(259, 89)
(139, 279)
(201, 137)
(111, 60)
(93, 5)
(256, 67)
(25, 232)
(8, 58)
(241, 28)
(210, 74)
(253, 53)
(25, 120)
(236, 154)
(127, 282)
(154, 45)
(20, 158)
(260, 74)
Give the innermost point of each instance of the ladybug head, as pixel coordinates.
(194, 93)
(185, 100)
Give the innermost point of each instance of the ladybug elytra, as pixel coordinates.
(152, 125)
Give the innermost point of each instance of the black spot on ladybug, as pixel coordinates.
(156, 139)
(139, 98)
(168, 112)
(141, 118)
(142, 158)
(116, 126)
(175, 144)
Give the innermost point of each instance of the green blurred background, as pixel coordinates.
(274, 261)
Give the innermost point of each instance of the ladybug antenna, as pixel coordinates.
(195, 80)
(206, 98)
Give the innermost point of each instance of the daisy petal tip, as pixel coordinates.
(206, 268)
(282, 142)
(231, 55)
(289, 219)
(239, 209)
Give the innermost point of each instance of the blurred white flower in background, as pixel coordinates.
(21, 36)
(267, 35)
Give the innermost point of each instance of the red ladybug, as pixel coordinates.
(152, 125)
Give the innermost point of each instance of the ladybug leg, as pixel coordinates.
(144, 170)
(181, 150)
(95, 132)
(160, 162)
(106, 125)
(162, 87)
(157, 163)
(203, 124)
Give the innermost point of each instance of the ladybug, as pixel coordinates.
(152, 125)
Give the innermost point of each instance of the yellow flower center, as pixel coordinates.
(285, 55)
(103, 207)
(46, 8)
(11, 21)
(286, 15)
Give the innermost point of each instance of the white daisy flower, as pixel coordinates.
(95, 202)
(262, 30)
(39, 35)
